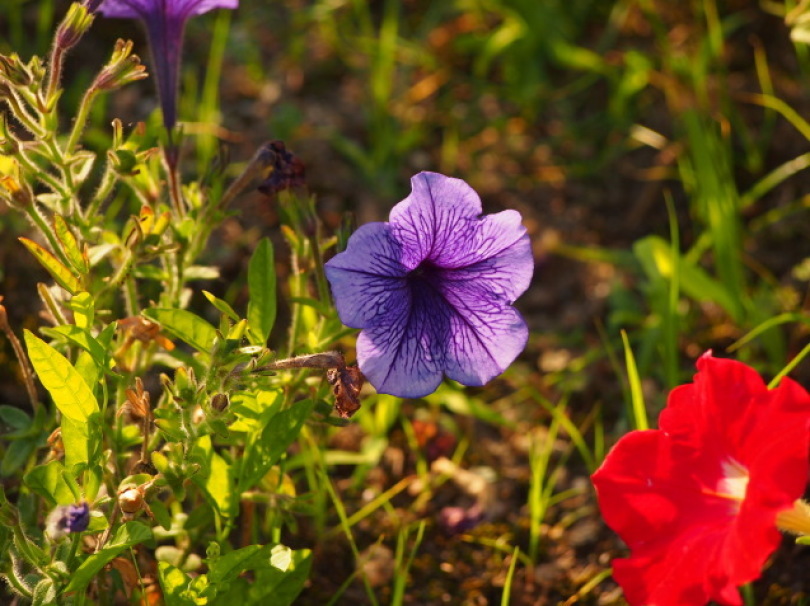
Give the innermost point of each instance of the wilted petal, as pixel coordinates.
(368, 279)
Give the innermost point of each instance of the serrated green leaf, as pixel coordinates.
(78, 262)
(49, 482)
(261, 313)
(186, 326)
(63, 276)
(221, 306)
(127, 535)
(70, 393)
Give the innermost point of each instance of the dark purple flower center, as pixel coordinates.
(425, 272)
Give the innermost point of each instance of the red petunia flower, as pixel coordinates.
(696, 501)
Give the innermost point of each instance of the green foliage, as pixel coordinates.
(187, 457)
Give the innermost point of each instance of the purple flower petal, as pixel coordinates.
(406, 356)
(165, 22)
(486, 333)
(432, 221)
(151, 9)
(433, 289)
(373, 269)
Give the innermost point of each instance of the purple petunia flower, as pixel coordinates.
(165, 22)
(68, 518)
(433, 289)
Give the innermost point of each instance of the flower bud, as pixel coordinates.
(75, 24)
(123, 68)
(14, 70)
(66, 519)
(14, 192)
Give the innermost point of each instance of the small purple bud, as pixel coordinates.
(92, 5)
(75, 24)
(66, 519)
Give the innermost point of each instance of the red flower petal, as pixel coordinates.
(696, 500)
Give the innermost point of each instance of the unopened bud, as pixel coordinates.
(123, 68)
(14, 70)
(219, 402)
(8, 142)
(92, 5)
(15, 193)
(75, 24)
(66, 519)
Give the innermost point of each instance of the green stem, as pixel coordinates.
(17, 584)
(42, 175)
(54, 70)
(121, 273)
(22, 115)
(81, 120)
(104, 189)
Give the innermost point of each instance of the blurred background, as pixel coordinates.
(657, 152)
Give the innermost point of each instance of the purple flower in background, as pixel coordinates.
(165, 22)
(68, 518)
(433, 289)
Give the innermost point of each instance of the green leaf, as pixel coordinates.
(84, 309)
(80, 337)
(201, 272)
(44, 593)
(126, 536)
(228, 567)
(261, 313)
(221, 305)
(175, 583)
(16, 456)
(655, 255)
(214, 478)
(14, 417)
(76, 440)
(264, 452)
(281, 588)
(90, 369)
(186, 326)
(63, 276)
(72, 396)
(70, 246)
(49, 482)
